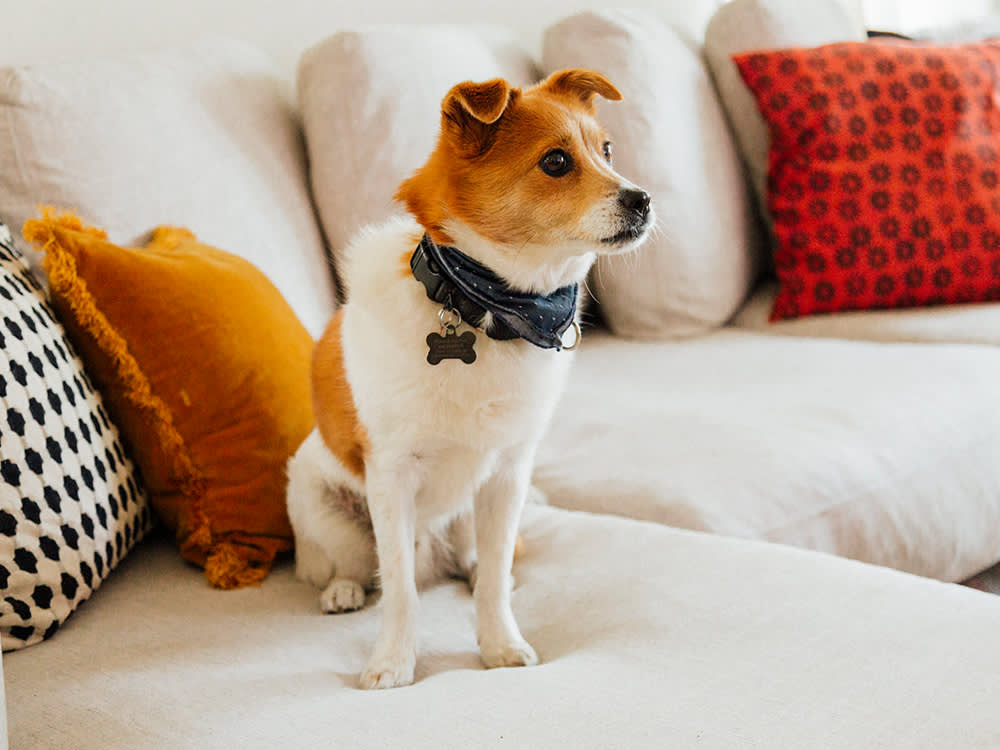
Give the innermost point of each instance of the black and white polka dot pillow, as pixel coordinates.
(71, 501)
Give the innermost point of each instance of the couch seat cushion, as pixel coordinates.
(884, 453)
(649, 637)
(949, 324)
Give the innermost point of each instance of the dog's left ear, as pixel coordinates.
(582, 85)
(470, 111)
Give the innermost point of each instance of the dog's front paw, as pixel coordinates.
(342, 595)
(517, 653)
(388, 672)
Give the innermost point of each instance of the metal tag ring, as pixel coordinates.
(576, 339)
(450, 318)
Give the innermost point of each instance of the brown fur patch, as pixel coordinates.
(518, 546)
(501, 193)
(403, 268)
(333, 402)
(583, 85)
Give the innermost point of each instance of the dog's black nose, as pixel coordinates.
(636, 201)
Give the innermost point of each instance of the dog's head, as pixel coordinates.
(524, 180)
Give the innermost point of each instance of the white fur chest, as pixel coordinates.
(506, 397)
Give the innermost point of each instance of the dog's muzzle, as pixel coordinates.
(635, 210)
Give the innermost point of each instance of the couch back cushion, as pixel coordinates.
(371, 103)
(743, 25)
(201, 136)
(671, 137)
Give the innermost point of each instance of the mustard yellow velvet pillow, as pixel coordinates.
(206, 370)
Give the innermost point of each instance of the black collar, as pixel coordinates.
(455, 280)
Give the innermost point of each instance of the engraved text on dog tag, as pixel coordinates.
(451, 346)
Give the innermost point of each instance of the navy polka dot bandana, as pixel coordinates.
(454, 279)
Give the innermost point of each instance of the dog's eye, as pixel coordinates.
(607, 151)
(556, 163)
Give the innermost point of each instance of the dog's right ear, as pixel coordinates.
(470, 112)
(581, 85)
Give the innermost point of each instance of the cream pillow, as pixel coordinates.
(670, 136)
(202, 136)
(371, 107)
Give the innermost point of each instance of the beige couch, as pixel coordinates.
(687, 588)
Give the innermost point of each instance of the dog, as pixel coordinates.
(434, 383)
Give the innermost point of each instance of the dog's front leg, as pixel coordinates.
(391, 487)
(498, 513)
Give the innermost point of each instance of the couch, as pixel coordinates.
(753, 530)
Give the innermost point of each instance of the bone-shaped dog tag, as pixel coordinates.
(451, 346)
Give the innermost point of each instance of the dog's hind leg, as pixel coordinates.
(334, 545)
(457, 543)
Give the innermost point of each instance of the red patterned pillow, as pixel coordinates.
(883, 174)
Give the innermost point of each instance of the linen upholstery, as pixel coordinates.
(946, 324)
(882, 453)
(648, 636)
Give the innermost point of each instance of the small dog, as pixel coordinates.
(434, 383)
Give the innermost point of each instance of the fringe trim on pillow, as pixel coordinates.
(60, 265)
(226, 568)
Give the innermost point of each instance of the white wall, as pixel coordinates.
(44, 30)
(915, 15)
